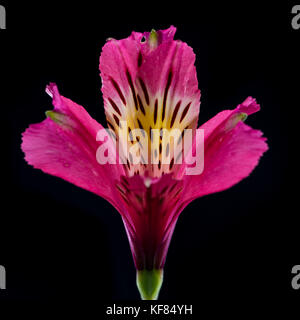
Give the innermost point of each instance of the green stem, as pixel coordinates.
(149, 283)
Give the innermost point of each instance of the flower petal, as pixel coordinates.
(150, 84)
(64, 145)
(232, 150)
(150, 209)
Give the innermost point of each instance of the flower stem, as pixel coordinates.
(149, 283)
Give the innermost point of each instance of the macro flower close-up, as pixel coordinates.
(150, 89)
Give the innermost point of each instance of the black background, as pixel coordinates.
(232, 251)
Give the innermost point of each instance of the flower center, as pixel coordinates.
(150, 130)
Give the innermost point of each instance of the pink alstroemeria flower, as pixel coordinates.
(148, 80)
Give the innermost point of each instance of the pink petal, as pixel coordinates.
(66, 147)
(232, 150)
(151, 84)
(150, 212)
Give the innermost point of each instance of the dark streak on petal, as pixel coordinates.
(155, 111)
(130, 135)
(171, 163)
(178, 192)
(141, 105)
(132, 89)
(113, 104)
(120, 189)
(139, 198)
(110, 125)
(116, 86)
(125, 199)
(166, 94)
(186, 109)
(116, 120)
(150, 134)
(125, 181)
(182, 135)
(141, 127)
(172, 187)
(125, 187)
(175, 113)
(144, 88)
(164, 190)
(140, 59)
